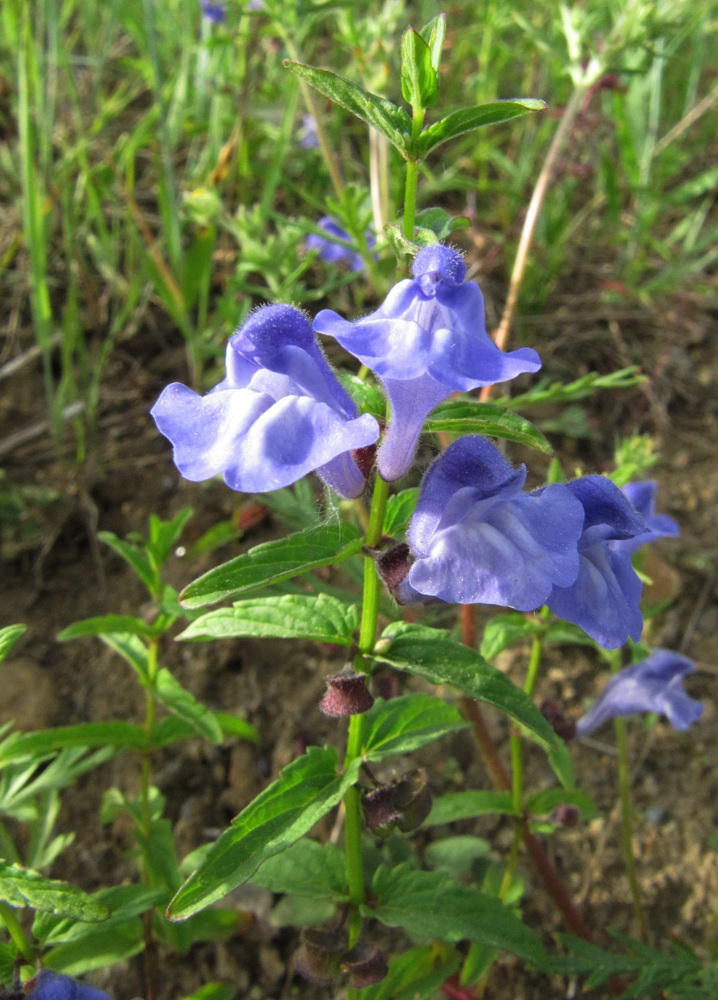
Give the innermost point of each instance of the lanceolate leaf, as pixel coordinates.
(321, 617)
(25, 887)
(433, 34)
(385, 117)
(430, 653)
(181, 703)
(468, 119)
(404, 724)
(306, 869)
(8, 637)
(304, 792)
(105, 624)
(272, 562)
(431, 905)
(121, 902)
(419, 79)
(23, 746)
(489, 419)
(466, 805)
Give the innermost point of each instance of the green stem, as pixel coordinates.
(367, 635)
(412, 177)
(14, 929)
(624, 788)
(517, 763)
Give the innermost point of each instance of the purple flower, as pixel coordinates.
(605, 598)
(643, 498)
(279, 413)
(214, 11)
(310, 140)
(332, 252)
(477, 539)
(426, 340)
(49, 985)
(651, 686)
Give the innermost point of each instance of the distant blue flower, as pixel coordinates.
(49, 985)
(309, 138)
(643, 498)
(427, 340)
(477, 539)
(279, 413)
(605, 598)
(651, 686)
(332, 252)
(214, 11)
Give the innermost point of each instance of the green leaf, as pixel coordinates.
(24, 887)
(271, 562)
(468, 119)
(432, 654)
(466, 805)
(399, 508)
(214, 991)
(301, 911)
(304, 792)
(433, 34)
(546, 801)
(121, 902)
(558, 392)
(232, 725)
(98, 949)
(419, 79)
(321, 618)
(22, 746)
(456, 855)
(490, 419)
(404, 724)
(385, 117)
(366, 394)
(164, 535)
(8, 637)
(431, 905)
(306, 869)
(506, 630)
(184, 705)
(132, 650)
(133, 556)
(103, 625)
(417, 974)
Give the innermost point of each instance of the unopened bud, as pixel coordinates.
(347, 694)
(365, 964)
(562, 726)
(393, 565)
(320, 957)
(413, 800)
(380, 813)
(566, 815)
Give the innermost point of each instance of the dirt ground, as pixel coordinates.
(54, 573)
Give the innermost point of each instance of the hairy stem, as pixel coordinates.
(412, 177)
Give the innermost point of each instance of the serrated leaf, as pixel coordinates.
(399, 510)
(23, 746)
(24, 887)
(271, 562)
(468, 119)
(385, 117)
(184, 705)
(417, 974)
(489, 419)
(8, 637)
(503, 631)
(402, 725)
(321, 618)
(283, 813)
(431, 905)
(432, 654)
(419, 79)
(466, 805)
(306, 869)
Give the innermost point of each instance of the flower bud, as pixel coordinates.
(320, 957)
(393, 565)
(347, 694)
(413, 800)
(380, 813)
(365, 964)
(566, 815)
(562, 726)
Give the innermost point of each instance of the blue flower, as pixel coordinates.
(214, 11)
(643, 498)
(478, 539)
(605, 598)
(310, 140)
(279, 413)
(427, 340)
(49, 985)
(651, 686)
(332, 252)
